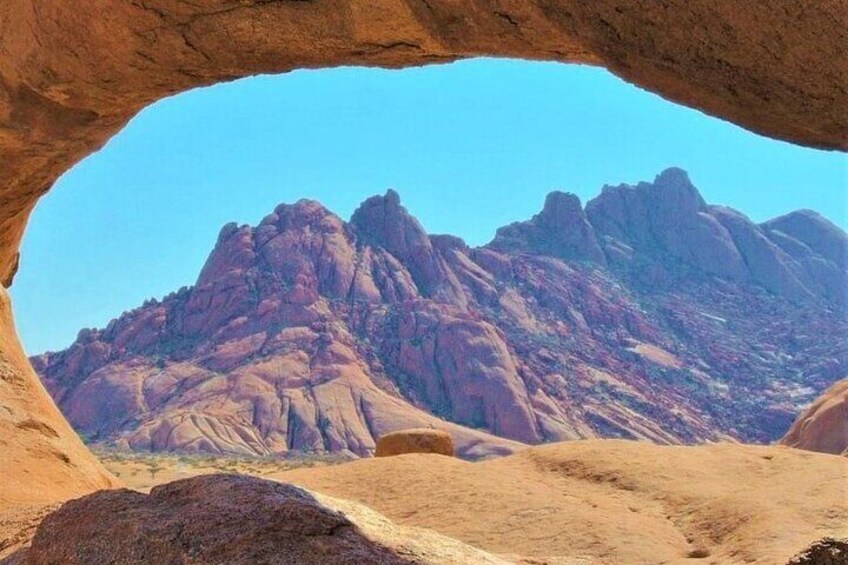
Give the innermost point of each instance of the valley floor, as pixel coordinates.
(598, 501)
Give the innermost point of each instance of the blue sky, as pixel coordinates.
(469, 147)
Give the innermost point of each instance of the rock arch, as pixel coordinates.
(73, 73)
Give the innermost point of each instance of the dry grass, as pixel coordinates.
(142, 471)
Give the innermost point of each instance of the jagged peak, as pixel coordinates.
(384, 221)
(671, 190)
(304, 212)
(304, 206)
(560, 210)
(560, 229)
(391, 199)
(228, 230)
(305, 209)
(677, 191)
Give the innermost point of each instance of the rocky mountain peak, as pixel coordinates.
(561, 229)
(561, 211)
(673, 188)
(307, 332)
(672, 194)
(302, 213)
(381, 221)
(813, 231)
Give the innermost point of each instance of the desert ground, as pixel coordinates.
(596, 501)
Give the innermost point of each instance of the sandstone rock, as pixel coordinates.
(43, 460)
(823, 426)
(415, 441)
(609, 501)
(826, 551)
(64, 92)
(208, 519)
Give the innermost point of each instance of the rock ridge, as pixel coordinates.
(649, 314)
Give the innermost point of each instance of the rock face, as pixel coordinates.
(214, 519)
(649, 314)
(42, 458)
(827, 551)
(561, 230)
(823, 426)
(415, 441)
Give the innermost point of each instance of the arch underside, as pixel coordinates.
(73, 73)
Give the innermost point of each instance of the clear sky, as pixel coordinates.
(469, 147)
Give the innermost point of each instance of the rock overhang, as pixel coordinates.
(72, 74)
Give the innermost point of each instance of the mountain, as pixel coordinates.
(646, 314)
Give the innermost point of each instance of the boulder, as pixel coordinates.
(826, 551)
(823, 426)
(415, 441)
(209, 519)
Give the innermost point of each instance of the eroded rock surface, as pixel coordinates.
(823, 426)
(72, 74)
(650, 315)
(610, 501)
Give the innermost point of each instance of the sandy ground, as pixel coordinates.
(598, 501)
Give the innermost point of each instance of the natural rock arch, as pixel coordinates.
(73, 73)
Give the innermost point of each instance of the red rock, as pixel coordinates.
(382, 222)
(208, 519)
(309, 333)
(66, 89)
(561, 230)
